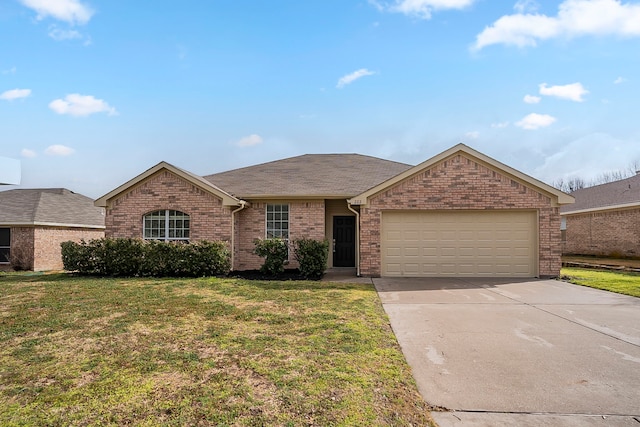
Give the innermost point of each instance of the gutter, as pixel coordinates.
(243, 205)
(603, 208)
(50, 224)
(357, 237)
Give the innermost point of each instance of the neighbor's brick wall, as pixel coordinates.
(461, 183)
(46, 250)
(22, 239)
(604, 233)
(306, 220)
(210, 220)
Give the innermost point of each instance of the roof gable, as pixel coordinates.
(617, 194)
(557, 196)
(227, 199)
(49, 206)
(309, 175)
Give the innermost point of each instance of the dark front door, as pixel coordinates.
(344, 241)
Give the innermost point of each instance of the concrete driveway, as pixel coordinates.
(519, 352)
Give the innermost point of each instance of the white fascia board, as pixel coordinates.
(603, 208)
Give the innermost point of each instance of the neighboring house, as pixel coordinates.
(605, 220)
(459, 213)
(33, 223)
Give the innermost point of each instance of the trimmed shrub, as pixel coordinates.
(312, 256)
(78, 257)
(135, 257)
(275, 253)
(206, 258)
(119, 257)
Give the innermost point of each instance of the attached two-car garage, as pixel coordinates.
(460, 214)
(459, 243)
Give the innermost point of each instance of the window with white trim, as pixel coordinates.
(166, 225)
(5, 245)
(277, 222)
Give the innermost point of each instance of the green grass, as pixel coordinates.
(91, 351)
(621, 282)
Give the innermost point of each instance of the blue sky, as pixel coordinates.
(94, 92)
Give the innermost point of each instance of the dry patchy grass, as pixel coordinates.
(228, 352)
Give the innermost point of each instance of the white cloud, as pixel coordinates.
(71, 11)
(575, 18)
(12, 94)
(472, 135)
(28, 153)
(535, 121)
(619, 80)
(500, 125)
(11, 70)
(59, 150)
(587, 157)
(572, 92)
(350, 78)
(420, 8)
(531, 99)
(524, 6)
(249, 141)
(59, 34)
(81, 105)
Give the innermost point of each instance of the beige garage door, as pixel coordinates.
(464, 243)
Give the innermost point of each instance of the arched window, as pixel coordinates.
(166, 225)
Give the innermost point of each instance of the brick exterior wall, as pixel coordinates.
(306, 220)
(47, 251)
(461, 183)
(38, 248)
(22, 242)
(604, 233)
(209, 220)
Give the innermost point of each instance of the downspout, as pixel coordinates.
(243, 205)
(357, 237)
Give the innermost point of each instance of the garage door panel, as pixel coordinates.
(471, 243)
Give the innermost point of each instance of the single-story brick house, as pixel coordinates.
(460, 213)
(604, 221)
(33, 223)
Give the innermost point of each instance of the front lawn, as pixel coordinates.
(615, 281)
(91, 351)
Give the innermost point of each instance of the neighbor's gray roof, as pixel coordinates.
(310, 175)
(48, 206)
(623, 192)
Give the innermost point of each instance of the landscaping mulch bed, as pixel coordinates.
(615, 264)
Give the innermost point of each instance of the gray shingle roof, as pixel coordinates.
(48, 206)
(309, 175)
(614, 193)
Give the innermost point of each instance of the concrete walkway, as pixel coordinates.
(527, 353)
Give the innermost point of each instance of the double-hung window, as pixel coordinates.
(5, 245)
(166, 225)
(277, 222)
